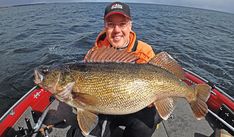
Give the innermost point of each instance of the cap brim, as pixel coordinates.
(116, 12)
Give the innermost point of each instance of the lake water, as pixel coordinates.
(32, 35)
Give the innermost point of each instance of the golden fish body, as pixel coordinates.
(125, 88)
(120, 88)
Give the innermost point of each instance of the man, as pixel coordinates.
(118, 34)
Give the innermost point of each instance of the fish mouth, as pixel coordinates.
(38, 77)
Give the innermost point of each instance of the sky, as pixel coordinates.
(218, 5)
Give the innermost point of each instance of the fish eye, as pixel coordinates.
(45, 70)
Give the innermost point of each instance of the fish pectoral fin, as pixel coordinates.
(84, 98)
(165, 61)
(165, 107)
(87, 121)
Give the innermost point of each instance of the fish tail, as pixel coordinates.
(199, 106)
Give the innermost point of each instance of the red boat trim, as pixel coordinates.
(206, 81)
(218, 96)
(37, 99)
(10, 111)
(216, 99)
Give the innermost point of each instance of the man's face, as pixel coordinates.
(118, 28)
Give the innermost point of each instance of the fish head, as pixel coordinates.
(47, 78)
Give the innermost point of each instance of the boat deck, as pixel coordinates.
(180, 124)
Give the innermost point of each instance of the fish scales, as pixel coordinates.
(121, 89)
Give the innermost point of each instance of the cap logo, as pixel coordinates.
(116, 6)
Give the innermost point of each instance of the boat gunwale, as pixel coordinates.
(214, 86)
(9, 111)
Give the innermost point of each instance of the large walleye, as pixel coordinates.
(102, 86)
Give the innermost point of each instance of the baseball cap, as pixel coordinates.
(117, 8)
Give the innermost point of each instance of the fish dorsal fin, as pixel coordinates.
(87, 121)
(110, 54)
(165, 107)
(164, 60)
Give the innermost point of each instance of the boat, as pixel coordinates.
(39, 113)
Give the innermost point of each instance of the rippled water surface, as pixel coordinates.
(201, 40)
